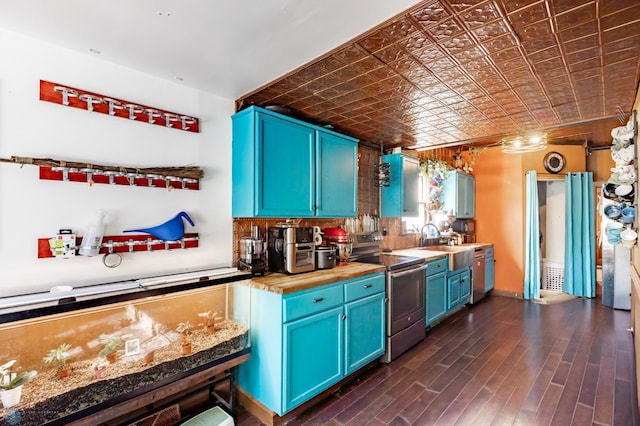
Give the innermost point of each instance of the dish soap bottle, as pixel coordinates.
(92, 240)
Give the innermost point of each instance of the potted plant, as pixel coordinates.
(110, 344)
(210, 320)
(184, 328)
(11, 383)
(59, 356)
(99, 367)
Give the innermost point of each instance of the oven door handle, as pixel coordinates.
(408, 271)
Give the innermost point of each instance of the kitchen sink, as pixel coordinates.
(459, 257)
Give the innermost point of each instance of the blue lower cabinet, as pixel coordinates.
(436, 293)
(304, 342)
(489, 273)
(465, 287)
(453, 291)
(313, 354)
(364, 331)
(458, 289)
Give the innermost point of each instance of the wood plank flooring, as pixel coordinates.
(502, 362)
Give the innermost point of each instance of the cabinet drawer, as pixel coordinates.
(311, 302)
(363, 287)
(436, 266)
(488, 251)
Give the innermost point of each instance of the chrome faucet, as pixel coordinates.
(423, 237)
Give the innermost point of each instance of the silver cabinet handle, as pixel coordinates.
(368, 286)
(318, 300)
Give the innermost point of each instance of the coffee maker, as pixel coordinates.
(251, 252)
(291, 249)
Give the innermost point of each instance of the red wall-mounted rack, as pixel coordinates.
(131, 179)
(128, 244)
(94, 102)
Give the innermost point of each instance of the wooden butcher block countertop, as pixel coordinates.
(427, 254)
(285, 283)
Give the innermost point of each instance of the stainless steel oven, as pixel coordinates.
(406, 310)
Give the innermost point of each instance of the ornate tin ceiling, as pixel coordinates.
(453, 72)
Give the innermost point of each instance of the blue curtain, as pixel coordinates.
(580, 252)
(532, 239)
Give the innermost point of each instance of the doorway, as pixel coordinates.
(551, 208)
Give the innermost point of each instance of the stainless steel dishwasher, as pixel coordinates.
(477, 275)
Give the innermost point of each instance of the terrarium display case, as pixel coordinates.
(93, 352)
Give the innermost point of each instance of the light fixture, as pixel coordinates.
(524, 143)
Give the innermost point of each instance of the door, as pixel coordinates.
(364, 331)
(489, 274)
(313, 356)
(336, 176)
(410, 179)
(453, 290)
(465, 286)
(285, 162)
(436, 297)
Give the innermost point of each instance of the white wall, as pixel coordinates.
(31, 208)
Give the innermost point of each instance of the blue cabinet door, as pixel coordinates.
(400, 198)
(336, 175)
(436, 295)
(458, 195)
(364, 331)
(285, 169)
(313, 356)
(467, 206)
(453, 291)
(489, 274)
(465, 286)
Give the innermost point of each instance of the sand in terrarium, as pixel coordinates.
(142, 325)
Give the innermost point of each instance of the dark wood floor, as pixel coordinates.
(502, 362)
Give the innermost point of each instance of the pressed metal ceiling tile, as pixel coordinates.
(480, 14)
(580, 44)
(454, 70)
(559, 6)
(582, 30)
(492, 30)
(527, 16)
(546, 54)
(621, 17)
(445, 29)
(430, 14)
(621, 55)
(577, 16)
(513, 5)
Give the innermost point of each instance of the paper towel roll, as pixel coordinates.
(317, 239)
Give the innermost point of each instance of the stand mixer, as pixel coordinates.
(251, 252)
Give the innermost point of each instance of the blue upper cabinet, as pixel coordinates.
(400, 198)
(336, 175)
(459, 195)
(283, 167)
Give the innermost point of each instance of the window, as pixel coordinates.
(414, 224)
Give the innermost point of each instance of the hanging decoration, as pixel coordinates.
(94, 102)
